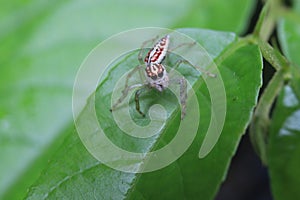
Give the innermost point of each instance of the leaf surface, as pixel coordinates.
(80, 175)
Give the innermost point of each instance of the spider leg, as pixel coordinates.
(179, 62)
(127, 88)
(124, 95)
(140, 57)
(187, 62)
(137, 100)
(183, 94)
(181, 45)
(130, 74)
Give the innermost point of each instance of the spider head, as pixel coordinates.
(157, 76)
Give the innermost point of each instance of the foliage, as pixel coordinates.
(42, 46)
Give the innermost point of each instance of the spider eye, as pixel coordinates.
(161, 74)
(154, 77)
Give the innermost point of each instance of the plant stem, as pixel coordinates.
(266, 21)
(260, 21)
(261, 119)
(260, 122)
(273, 56)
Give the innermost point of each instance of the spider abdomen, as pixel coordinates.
(158, 52)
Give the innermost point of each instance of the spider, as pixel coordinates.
(156, 75)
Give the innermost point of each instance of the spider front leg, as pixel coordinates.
(137, 100)
(127, 88)
(124, 95)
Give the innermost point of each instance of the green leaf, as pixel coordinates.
(73, 173)
(42, 46)
(284, 141)
(284, 146)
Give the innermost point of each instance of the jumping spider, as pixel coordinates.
(156, 75)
